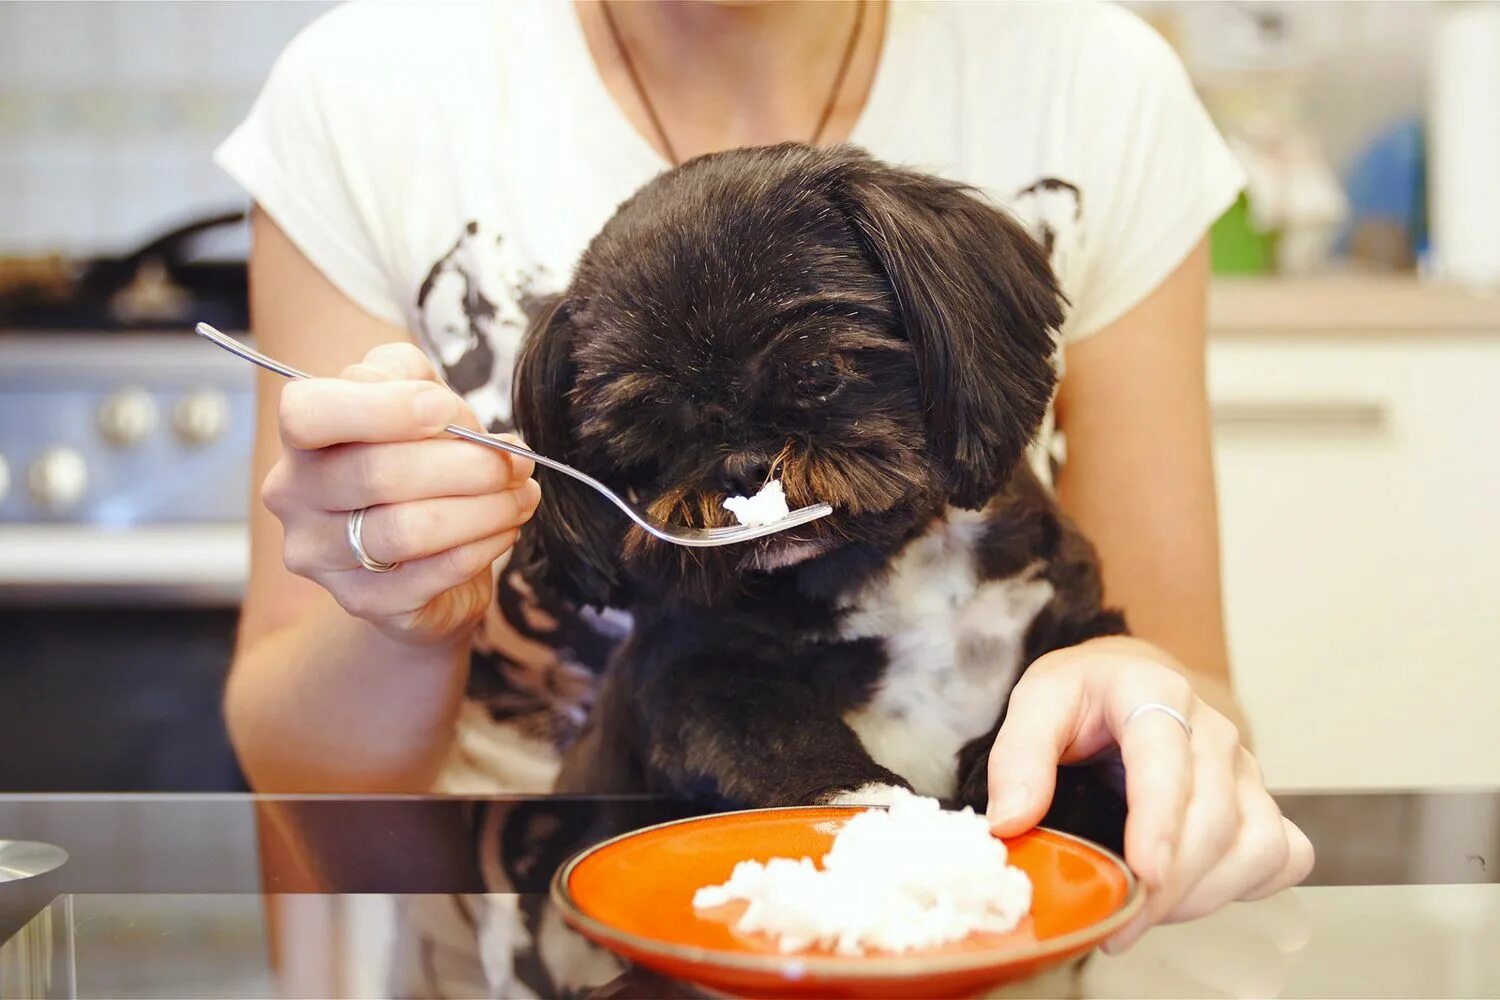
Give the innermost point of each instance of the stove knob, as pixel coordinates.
(127, 417)
(201, 417)
(4, 478)
(58, 477)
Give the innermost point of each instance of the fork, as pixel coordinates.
(690, 537)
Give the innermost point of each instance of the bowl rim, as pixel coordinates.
(44, 858)
(803, 966)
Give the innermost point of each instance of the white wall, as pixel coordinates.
(109, 111)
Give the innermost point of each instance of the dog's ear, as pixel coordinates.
(571, 546)
(980, 306)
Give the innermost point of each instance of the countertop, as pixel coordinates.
(1349, 304)
(201, 564)
(248, 896)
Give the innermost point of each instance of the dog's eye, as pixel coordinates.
(820, 380)
(671, 397)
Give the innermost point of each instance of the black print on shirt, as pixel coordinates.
(1053, 208)
(472, 310)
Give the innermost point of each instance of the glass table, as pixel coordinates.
(253, 896)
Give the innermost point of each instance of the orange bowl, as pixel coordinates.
(634, 896)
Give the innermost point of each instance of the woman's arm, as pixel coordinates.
(1139, 475)
(319, 699)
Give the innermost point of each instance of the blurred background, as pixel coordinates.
(1355, 347)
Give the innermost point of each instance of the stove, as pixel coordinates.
(123, 554)
(124, 440)
(119, 432)
(124, 463)
(125, 446)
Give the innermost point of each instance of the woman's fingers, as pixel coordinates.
(404, 532)
(1269, 852)
(1300, 859)
(353, 476)
(396, 361)
(319, 412)
(305, 485)
(405, 361)
(1266, 852)
(442, 508)
(1259, 851)
(1039, 724)
(1159, 775)
(407, 532)
(1209, 823)
(1063, 714)
(406, 591)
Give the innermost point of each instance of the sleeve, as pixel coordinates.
(1162, 174)
(300, 163)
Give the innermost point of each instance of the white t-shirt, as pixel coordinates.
(440, 163)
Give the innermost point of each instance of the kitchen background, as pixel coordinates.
(1354, 353)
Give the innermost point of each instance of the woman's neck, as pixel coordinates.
(723, 75)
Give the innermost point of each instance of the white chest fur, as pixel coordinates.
(953, 645)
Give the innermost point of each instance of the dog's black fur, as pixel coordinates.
(879, 339)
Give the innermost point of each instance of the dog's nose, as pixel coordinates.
(744, 474)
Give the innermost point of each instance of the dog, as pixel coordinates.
(878, 339)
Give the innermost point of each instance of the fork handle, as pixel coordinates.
(270, 364)
(490, 440)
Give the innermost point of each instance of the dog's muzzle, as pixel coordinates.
(778, 554)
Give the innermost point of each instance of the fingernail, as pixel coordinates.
(435, 406)
(531, 496)
(1011, 801)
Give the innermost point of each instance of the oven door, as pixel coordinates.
(122, 559)
(114, 697)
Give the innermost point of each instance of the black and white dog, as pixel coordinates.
(878, 339)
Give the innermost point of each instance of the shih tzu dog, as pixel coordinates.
(872, 337)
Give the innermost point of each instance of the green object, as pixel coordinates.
(1237, 247)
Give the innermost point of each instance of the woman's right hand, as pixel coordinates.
(439, 506)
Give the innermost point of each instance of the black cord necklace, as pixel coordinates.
(661, 133)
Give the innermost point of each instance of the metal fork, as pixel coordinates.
(691, 537)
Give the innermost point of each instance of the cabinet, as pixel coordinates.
(1359, 484)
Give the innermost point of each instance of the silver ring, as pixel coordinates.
(1167, 710)
(356, 542)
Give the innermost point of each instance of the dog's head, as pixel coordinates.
(878, 339)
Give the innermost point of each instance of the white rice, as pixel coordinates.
(914, 876)
(766, 507)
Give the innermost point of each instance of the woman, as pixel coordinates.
(421, 171)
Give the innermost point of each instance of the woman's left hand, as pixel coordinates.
(1202, 829)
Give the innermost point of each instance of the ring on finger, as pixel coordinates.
(1167, 710)
(355, 531)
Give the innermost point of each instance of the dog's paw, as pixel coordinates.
(874, 794)
(576, 966)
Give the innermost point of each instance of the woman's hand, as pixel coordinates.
(1202, 830)
(442, 508)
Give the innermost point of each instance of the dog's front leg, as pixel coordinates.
(749, 735)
